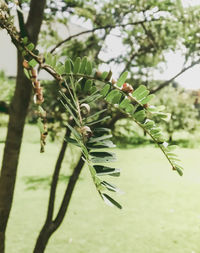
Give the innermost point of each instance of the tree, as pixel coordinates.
(18, 111)
(184, 116)
(148, 40)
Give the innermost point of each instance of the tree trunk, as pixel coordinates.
(43, 238)
(51, 226)
(18, 112)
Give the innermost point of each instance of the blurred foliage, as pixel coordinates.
(166, 27)
(180, 104)
(127, 134)
(7, 86)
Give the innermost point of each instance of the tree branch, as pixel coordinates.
(22, 27)
(99, 28)
(68, 193)
(35, 19)
(164, 84)
(55, 178)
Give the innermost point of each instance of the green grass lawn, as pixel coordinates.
(161, 210)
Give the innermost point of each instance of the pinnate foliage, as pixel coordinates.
(81, 81)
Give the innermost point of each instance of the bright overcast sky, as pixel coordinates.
(191, 78)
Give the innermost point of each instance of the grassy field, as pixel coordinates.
(161, 210)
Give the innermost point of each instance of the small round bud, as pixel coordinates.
(85, 109)
(98, 74)
(26, 65)
(113, 81)
(127, 88)
(86, 131)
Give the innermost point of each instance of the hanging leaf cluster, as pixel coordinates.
(91, 140)
(81, 80)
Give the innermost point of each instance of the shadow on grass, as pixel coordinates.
(37, 182)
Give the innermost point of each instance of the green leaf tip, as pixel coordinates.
(122, 79)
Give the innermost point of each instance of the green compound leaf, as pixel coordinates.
(102, 170)
(26, 73)
(25, 40)
(117, 98)
(147, 99)
(100, 138)
(105, 90)
(88, 68)
(122, 79)
(111, 95)
(60, 68)
(124, 104)
(110, 187)
(83, 65)
(32, 63)
(30, 46)
(77, 65)
(130, 108)
(102, 157)
(179, 170)
(68, 67)
(139, 91)
(72, 141)
(102, 130)
(140, 116)
(110, 201)
(87, 86)
(102, 144)
(104, 75)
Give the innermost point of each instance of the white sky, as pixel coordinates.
(187, 3)
(189, 79)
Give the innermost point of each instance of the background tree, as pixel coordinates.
(184, 115)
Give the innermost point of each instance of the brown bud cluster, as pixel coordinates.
(86, 131)
(38, 98)
(98, 74)
(127, 88)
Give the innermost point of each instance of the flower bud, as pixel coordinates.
(127, 88)
(85, 109)
(26, 65)
(86, 131)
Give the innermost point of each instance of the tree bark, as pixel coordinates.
(18, 112)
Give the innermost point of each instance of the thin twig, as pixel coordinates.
(164, 84)
(99, 28)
